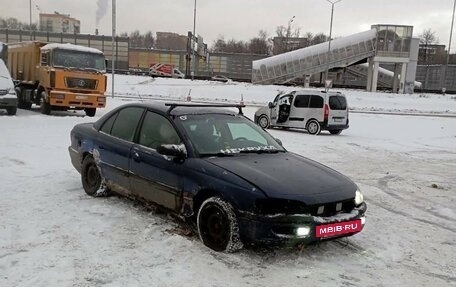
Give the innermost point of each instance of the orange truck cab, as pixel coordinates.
(58, 76)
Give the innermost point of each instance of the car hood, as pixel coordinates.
(6, 84)
(289, 176)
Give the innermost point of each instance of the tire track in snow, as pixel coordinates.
(383, 186)
(409, 216)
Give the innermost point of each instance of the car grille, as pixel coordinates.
(77, 83)
(3, 92)
(282, 206)
(330, 209)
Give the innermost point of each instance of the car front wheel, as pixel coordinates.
(313, 127)
(218, 226)
(263, 121)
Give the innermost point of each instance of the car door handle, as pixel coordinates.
(136, 157)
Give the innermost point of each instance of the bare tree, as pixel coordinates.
(230, 46)
(15, 24)
(260, 44)
(427, 38)
(319, 38)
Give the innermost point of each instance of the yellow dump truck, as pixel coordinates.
(58, 76)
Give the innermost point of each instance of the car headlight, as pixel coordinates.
(359, 198)
(11, 91)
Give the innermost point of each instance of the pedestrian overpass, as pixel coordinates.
(381, 44)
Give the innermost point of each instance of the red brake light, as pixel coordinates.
(326, 112)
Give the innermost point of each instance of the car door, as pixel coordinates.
(274, 110)
(299, 111)
(316, 110)
(338, 110)
(156, 177)
(114, 144)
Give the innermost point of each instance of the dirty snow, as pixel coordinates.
(53, 234)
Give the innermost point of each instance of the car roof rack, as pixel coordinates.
(172, 106)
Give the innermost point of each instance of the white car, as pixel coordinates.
(8, 98)
(221, 78)
(311, 110)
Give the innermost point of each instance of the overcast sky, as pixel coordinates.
(242, 19)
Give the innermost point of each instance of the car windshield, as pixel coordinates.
(79, 60)
(224, 135)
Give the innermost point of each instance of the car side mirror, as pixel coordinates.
(278, 141)
(270, 105)
(174, 150)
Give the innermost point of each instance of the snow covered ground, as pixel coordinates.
(53, 234)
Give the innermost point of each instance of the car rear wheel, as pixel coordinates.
(218, 226)
(263, 121)
(313, 127)
(90, 176)
(335, 132)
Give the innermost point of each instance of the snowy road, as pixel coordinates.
(52, 234)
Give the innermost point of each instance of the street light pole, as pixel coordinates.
(30, 14)
(288, 33)
(330, 36)
(112, 45)
(449, 46)
(193, 42)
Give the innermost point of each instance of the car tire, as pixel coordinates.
(45, 107)
(313, 127)
(11, 111)
(263, 121)
(335, 132)
(217, 225)
(90, 112)
(90, 176)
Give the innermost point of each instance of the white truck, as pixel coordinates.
(165, 70)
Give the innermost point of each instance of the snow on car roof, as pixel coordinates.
(72, 47)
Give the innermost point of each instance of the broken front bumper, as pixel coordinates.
(282, 229)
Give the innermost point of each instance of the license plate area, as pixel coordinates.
(339, 228)
(338, 120)
(81, 97)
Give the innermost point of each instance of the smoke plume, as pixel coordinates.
(102, 8)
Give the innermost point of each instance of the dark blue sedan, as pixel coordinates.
(219, 171)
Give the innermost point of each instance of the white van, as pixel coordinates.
(311, 110)
(8, 98)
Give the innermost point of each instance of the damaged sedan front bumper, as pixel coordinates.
(282, 229)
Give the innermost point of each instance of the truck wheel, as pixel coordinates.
(45, 107)
(11, 111)
(90, 112)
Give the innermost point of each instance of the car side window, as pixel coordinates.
(316, 102)
(302, 101)
(107, 125)
(125, 125)
(157, 130)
